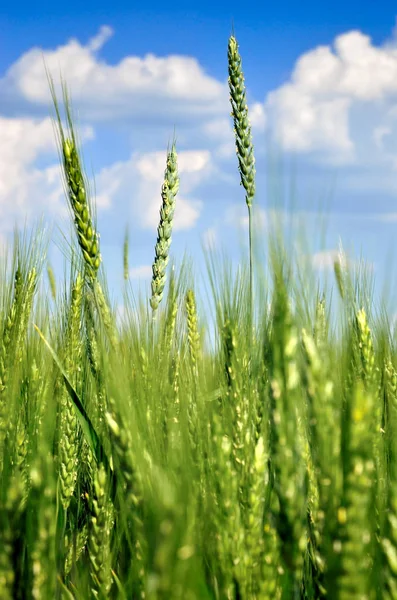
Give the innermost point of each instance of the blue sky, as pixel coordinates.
(321, 82)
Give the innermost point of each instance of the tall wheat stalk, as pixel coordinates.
(76, 187)
(81, 208)
(244, 146)
(168, 193)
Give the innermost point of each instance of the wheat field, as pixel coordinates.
(139, 461)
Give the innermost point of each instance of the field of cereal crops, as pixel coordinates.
(139, 461)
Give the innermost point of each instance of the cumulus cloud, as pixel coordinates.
(338, 105)
(257, 116)
(141, 272)
(325, 259)
(149, 89)
(172, 86)
(339, 102)
(26, 191)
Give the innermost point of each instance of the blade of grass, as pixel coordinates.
(88, 429)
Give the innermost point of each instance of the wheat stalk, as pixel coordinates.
(192, 328)
(285, 442)
(75, 549)
(242, 131)
(10, 514)
(43, 553)
(87, 236)
(10, 331)
(170, 320)
(354, 514)
(99, 535)
(76, 189)
(124, 462)
(168, 193)
(68, 427)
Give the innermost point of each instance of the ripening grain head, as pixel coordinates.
(168, 193)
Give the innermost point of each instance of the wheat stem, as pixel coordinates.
(244, 145)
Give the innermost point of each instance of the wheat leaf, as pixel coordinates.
(84, 420)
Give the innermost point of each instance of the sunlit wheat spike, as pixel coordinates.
(321, 324)
(171, 318)
(254, 542)
(43, 551)
(99, 535)
(106, 313)
(11, 507)
(25, 310)
(244, 146)
(87, 236)
(9, 328)
(8, 346)
(192, 326)
(366, 346)
(75, 549)
(356, 522)
(168, 193)
(76, 188)
(68, 426)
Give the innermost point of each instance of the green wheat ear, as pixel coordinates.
(76, 188)
(244, 145)
(168, 193)
(87, 236)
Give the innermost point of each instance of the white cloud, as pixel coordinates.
(325, 259)
(225, 150)
(221, 128)
(164, 89)
(220, 131)
(141, 272)
(339, 102)
(139, 88)
(25, 190)
(100, 39)
(257, 116)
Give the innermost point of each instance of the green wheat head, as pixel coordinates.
(242, 128)
(168, 193)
